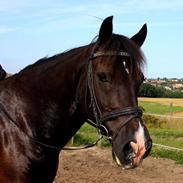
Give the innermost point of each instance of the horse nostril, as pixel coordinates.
(148, 144)
(128, 152)
(127, 148)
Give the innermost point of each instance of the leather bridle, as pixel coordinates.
(101, 120)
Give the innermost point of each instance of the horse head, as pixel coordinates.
(114, 75)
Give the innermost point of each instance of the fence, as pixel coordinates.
(168, 147)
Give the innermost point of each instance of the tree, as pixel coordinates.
(148, 90)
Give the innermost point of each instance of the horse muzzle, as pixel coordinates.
(133, 154)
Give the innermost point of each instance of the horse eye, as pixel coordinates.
(103, 77)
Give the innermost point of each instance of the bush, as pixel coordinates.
(153, 122)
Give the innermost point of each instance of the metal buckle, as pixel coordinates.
(103, 131)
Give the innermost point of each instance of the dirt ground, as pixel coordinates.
(96, 166)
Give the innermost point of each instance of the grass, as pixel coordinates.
(168, 137)
(177, 156)
(88, 135)
(166, 133)
(157, 108)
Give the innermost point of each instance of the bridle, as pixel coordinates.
(101, 120)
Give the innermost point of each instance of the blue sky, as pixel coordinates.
(31, 29)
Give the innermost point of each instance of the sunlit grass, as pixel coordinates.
(177, 156)
(169, 137)
(157, 108)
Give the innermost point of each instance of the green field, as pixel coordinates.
(157, 108)
(168, 137)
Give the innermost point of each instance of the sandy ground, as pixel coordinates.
(96, 166)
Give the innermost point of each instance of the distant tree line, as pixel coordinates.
(148, 90)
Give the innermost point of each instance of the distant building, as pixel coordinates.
(177, 85)
(167, 88)
(167, 83)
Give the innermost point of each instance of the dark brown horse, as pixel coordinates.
(46, 103)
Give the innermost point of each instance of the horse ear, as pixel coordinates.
(105, 30)
(140, 37)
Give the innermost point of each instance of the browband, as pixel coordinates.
(110, 53)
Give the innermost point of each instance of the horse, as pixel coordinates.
(46, 103)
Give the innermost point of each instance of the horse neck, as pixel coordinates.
(51, 95)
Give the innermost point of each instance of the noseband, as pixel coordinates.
(132, 112)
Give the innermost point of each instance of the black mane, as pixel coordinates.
(72, 53)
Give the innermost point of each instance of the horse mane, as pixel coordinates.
(71, 53)
(116, 42)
